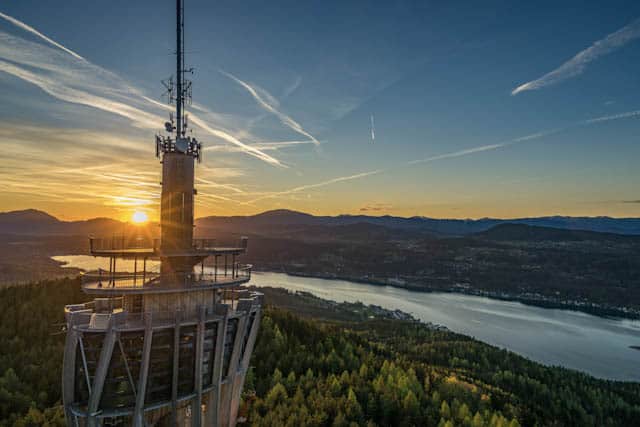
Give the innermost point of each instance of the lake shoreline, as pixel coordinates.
(582, 307)
(557, 337)
(594, 310)
(604, 312)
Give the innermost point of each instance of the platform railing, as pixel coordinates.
(236, 271)
(122, 242)
(120, 279)
(104, 279)
(97, 314)
(204, 244)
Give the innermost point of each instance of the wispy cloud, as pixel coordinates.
(222, 134)
(292, 87)
(579, 62)
(68, 77)
(208, 183)
(235, 141)
(58, 89)
(270, 104)
(37, 33)
(115, 177)
(376, 207)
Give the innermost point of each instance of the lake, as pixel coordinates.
(596, 345)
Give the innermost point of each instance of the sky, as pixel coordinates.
(409, 108)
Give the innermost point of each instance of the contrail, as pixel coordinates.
(459, 153)
(626, 115)
(218, 185)
(60, 91)
(491, 147)
(578, 63)
(262, 146)
(230, 138)
(75, 80)
(269, 106)
(292, 88)
(373, 130)
(316, 185)
(248, 149)
(32, 30)
(454, 154)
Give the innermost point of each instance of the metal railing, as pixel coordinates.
(103, 279)
(204, 244)
(116, 243)
(237, 271)
(97, 314)
(122, 242)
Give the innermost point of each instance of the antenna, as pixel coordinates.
(183, 86)
(179, 65)
(178, 89)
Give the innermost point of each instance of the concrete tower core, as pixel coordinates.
(167, 345)
(176, 211)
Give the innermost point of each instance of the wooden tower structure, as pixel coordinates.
(168, 346)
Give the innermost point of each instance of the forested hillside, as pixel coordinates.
(31, 346)
(323, 364)
(389, 372)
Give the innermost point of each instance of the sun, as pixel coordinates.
(139, 217)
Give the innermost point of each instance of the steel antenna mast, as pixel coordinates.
(179, 67)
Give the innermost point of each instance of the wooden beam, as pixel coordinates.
(196, 405)
(138, 413)
(176, 361)
(108, 344)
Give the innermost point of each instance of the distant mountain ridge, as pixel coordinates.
(450, 227)
(31, 222)
(534, 233)
(34, 222)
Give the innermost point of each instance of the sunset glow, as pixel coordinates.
(553, 134)
(139, 217)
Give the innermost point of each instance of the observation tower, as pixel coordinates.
(168, 345)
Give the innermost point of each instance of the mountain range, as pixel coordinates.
(559, 259)
(442, 227)
(35, 222)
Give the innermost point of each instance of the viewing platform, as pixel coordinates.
(102, 313)
(142, 247)
(221, 270)
(141, 282)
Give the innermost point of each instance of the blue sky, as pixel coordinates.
(273, 78)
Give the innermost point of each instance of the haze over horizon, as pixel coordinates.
(496, 110)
